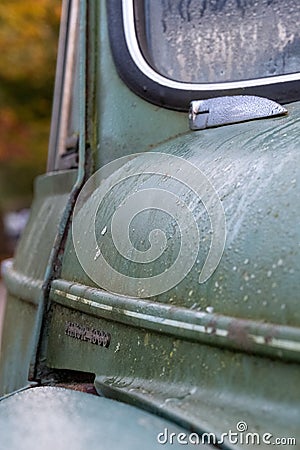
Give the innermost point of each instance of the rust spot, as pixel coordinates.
(238, 333)
(88, 388)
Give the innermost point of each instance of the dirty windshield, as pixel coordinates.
(206, 41)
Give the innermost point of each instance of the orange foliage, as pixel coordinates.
(28, 45)
(28, 30)
(14, 134)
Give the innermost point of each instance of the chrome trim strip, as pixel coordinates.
(208, 328)
(69, 70)
(143, 66)
(63, 82)
(85, 301)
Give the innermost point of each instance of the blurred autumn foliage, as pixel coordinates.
(28, 45)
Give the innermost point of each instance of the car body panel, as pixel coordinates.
(168, 353)
(24, 279)
(205, 355)
(51, 417)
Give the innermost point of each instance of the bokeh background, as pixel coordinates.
(28, 48)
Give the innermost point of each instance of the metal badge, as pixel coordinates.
(232, 109)
(97, 337)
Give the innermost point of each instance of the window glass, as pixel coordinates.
(207, 41)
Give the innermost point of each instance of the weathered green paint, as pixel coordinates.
(126, 123)
(52, 417)
(199, 386)
(254, 290)
(207, 370)
(17, 344)
(249, 336)
(39, 254)
(24, 279)
(254, 168)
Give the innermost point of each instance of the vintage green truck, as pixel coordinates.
(160, 264)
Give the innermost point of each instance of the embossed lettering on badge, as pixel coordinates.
(91, 335)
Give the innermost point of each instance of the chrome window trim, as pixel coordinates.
(146, 69)
(144, 81)
(63, 83)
